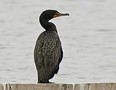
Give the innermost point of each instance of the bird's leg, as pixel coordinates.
(44, 82)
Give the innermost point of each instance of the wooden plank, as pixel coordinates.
(86, 86)
(1, 87)
(34, 86)
(66, 87)
(81, 87)
(77, 87)
(52, 86)
(102, 86)
(113, 86)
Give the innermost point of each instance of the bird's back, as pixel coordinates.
(47, 55)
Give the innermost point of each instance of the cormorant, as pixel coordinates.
(48, 50)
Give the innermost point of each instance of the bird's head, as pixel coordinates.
(49, 14)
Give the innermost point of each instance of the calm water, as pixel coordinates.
(88, 38)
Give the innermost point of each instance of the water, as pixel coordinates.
(88, 38)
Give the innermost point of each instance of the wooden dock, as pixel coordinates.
(84, 86)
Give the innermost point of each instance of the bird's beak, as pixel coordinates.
(57, 14)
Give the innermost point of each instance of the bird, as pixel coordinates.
(48, 51)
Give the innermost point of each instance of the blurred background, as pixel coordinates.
(88, 38)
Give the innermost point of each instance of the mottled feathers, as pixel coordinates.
(48, 55)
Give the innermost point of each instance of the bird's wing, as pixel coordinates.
(48, 54)
(38, 57)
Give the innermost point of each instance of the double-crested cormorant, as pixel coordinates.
(48, 50)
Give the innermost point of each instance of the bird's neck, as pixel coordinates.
(48, 26)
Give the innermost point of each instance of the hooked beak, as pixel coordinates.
(57, 14)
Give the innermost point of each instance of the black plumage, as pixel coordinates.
(48, 50)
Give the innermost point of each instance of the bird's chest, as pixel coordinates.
(49, 41)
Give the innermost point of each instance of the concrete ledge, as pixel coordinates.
(85, 86)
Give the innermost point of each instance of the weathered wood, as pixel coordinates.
(34, 86)
(53, 86)
(102, 86)
(1, 87)
(81, 87)
(66, 87)
(77, 87)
